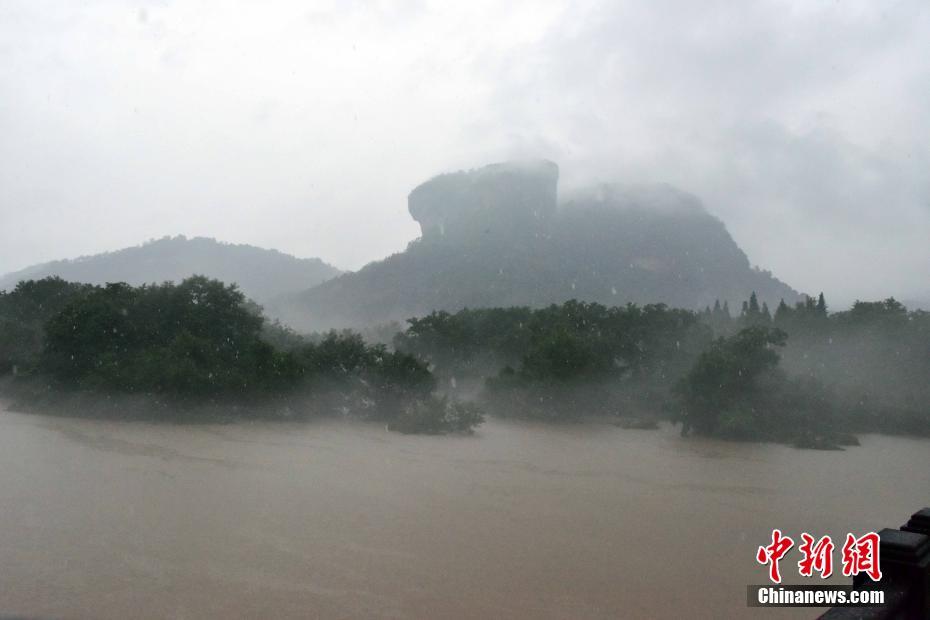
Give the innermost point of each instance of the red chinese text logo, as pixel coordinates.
(773, 553)
(860, 555)
(817, 556)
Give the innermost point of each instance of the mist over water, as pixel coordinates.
(104, 519)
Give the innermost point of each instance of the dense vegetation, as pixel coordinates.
(200, 341)
(737, 390)
(798, 374)
(801, 374)
(24, 312)
(562, 361)
(874, 359)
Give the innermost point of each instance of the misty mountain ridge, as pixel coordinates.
(499, 236)
(260, 273)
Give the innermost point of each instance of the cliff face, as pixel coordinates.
(655, 243)
(497, 237)
(497, 201)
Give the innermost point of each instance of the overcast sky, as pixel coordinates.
(302, 126)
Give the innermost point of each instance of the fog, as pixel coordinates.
(543, 308)
(302, 127)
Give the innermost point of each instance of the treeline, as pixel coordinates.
(201, 341)
(874, 359)
(563, 361)
(737, 389)
(800, 374)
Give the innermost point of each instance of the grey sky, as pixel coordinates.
(303, 126)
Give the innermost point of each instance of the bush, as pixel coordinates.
(437, 416)
(739, 423)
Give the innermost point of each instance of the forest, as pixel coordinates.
(200, 346)
(800, 374)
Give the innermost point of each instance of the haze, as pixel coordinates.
(303, 126)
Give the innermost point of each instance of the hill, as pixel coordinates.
(261, 274)
(497, 236)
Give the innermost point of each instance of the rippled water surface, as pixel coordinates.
(334, 519)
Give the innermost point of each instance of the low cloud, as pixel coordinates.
(801, 124)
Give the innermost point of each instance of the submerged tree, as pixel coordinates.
(728, 375)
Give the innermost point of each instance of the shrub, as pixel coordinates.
(437, 416)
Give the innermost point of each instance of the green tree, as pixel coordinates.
(821, 305)
(23, 313)
(196, 338)
(727, 375)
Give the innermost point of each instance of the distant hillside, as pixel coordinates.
(261, 274)
(498, 237)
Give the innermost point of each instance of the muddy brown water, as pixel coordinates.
(338, 519)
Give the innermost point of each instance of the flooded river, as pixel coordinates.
(335, 519)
